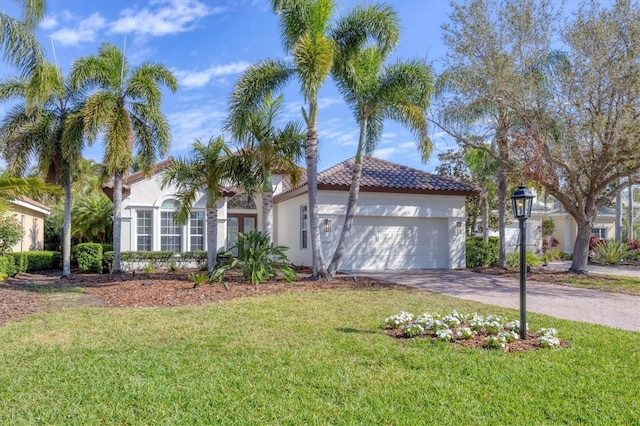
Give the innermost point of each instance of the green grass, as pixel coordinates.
(618, 284)
(304, 358)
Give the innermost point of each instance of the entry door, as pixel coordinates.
(237, 223)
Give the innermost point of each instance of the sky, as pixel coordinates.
(209, 43)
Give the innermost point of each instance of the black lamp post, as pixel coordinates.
(522, 200)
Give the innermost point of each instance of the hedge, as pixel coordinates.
(89, 257)
(12, 264)
(479, 253)
(159, 259)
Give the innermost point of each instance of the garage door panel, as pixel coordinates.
(397, 243)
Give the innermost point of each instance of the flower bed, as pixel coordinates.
(471, 330)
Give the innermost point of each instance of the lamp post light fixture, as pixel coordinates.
(522, 200)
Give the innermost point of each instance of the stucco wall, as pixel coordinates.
(33, 224)
(332, 206)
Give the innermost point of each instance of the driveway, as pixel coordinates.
(592, 306)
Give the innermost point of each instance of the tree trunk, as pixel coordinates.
(267, 209)
(502, 194)
(631, 237)
(581, 247)
(354, 191)
(319, 268)
(66, 229)
(212, 236)
(118, 178)
(619, 216)
(485, 216)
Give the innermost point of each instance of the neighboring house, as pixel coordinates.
(31, 216)
(565, 226)
(405, 219)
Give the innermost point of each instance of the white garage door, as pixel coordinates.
(378, 243)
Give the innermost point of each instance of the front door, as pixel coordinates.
(237, 223)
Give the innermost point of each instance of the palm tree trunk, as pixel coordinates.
(485, 216)
(267, 207)
(118, 178)
(66, 228)
(502, 193)
(318, 265)
(354, 191)
(212, 237)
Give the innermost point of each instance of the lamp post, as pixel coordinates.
(522, 200)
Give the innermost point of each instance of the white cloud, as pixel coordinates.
(385, 153)
(48, 23)
(170, 17)
(327, 102)
(200, 122)
(85, 31)
(193, 79)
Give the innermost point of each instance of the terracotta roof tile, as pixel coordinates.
(381, 175)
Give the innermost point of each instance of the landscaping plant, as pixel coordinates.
(258, 259)
(612, 252)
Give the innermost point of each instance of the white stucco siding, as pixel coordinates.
(390, 231)
(287, 221)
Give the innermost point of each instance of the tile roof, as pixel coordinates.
(384, 176)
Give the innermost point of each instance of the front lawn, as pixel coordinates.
(305, 358)
(626, 285)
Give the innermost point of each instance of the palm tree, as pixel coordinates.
(316, 45)
(92, 218)
(208, 168)
(269, 148)
(17, 39)
(126, 108)
(52, 135)
(400, 92)
(12, 188)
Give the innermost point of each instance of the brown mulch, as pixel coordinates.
(30, 293)
(537, 273)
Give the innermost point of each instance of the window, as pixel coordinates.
(196, 230)
(304, 226)
(170, 230)
(599, 233)
(144, 226)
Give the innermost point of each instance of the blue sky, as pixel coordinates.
(209, 43)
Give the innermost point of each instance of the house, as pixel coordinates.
(405, 219)
(31, 216)
(565, 228)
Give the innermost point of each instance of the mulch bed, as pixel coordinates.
(23, 295)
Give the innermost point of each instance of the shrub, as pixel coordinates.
(612, 252)
(513, 259)
(593, 242)
(479, 253)
(89, 257)
(258, 259)
(10, 233)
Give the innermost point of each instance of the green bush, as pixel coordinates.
(19, 262)
(6, 267)
(89, 257)
(258, 259)
(612, 252)
(513, 259)
(479, 253)
(10, 232)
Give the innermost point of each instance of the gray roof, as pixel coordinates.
(384, 176)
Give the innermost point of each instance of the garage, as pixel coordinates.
(392, 243)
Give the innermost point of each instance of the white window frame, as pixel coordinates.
(172, 225)
(304, 227)
(148, 227)
(196, 234)
(599, 232)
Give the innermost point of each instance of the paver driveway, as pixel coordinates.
(597, 307)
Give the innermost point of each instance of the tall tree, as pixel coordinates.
(581, 139)
(269, 147)
(314, 43)
(17, 39)
(494, 49)
(400, 92)
(209, 169)
(52, 135)
(12, 188)
(126, 108)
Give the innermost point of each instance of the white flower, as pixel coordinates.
(412, 329)
(465, 333)
(444, 334)
(547, 341)
(395, 321)
(451, 320)
(548, 331)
